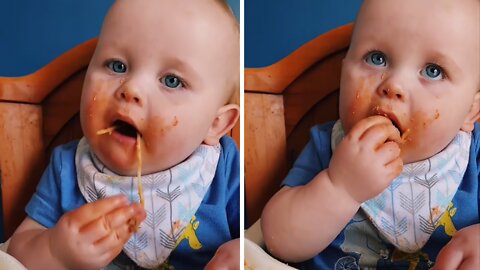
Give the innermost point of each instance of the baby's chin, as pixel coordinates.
(121, 169)
(131, 169)
(411, 154)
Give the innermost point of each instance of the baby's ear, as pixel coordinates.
(473, 115)
(226, 118)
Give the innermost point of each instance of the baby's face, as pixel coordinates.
(162, 69)
(416, 62)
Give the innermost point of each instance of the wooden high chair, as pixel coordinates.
(38, 112)
(282, 102)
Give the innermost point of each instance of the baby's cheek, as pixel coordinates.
(425, 135)
(93, 116)
(159, 131)
(357, 109)
(356, 99)
(415, 129)
(162, 126)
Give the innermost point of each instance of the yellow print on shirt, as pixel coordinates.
(190, 234)
(446, 220)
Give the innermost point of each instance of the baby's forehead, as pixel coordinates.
(441, 31)
(441, 17)
(173, 7)
(202, 34)
(428, 9)
(213, 17)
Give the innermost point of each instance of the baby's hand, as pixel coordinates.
(367, 160)
(227, 256)
(91, 236)
(462, 252)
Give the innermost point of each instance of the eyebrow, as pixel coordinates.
(445, 62)
(183, 67)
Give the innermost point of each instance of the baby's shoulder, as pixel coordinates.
(228, 143)
(229, 149)
(321, 134)
(476, 138)
(476, 131)
(229, 154)
(64, 154)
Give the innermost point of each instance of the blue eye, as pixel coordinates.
(433, 72)
(171, 81)
(117, 66)
(376, 59)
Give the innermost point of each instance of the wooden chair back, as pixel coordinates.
(38, 112)
(282, 102)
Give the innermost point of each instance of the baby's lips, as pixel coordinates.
(394, 134)
(390, 116)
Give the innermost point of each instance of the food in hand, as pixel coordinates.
(132, 222)
(139, 171)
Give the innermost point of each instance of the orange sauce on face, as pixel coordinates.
(418, 123)
(175, 121)
(405, 136)
(362, 97)
(167, 128)
(413, 129)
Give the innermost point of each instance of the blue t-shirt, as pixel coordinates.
(218, 215)
(359, 245)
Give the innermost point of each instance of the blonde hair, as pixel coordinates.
(234, 91)
(226, 7)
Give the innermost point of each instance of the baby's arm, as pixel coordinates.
(227, 256)
(462, 252)
(301, 221)
(89, 237)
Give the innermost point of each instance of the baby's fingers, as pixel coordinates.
(388, 152)
(377, 135)
(114, 242)
(449, 257)
(394, 168)
(359, 129)
(470, 263)
(93, 211)
(104, 225)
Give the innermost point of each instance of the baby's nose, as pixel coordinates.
(392, 93)
(130, 94)
(393, 86)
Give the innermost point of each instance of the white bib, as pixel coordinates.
(171, 198)
(409, 210)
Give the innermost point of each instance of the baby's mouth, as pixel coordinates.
(125, 129)
(396, 125)
(391, 116)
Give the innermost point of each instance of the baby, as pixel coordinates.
(394, 183)
(155, 104)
